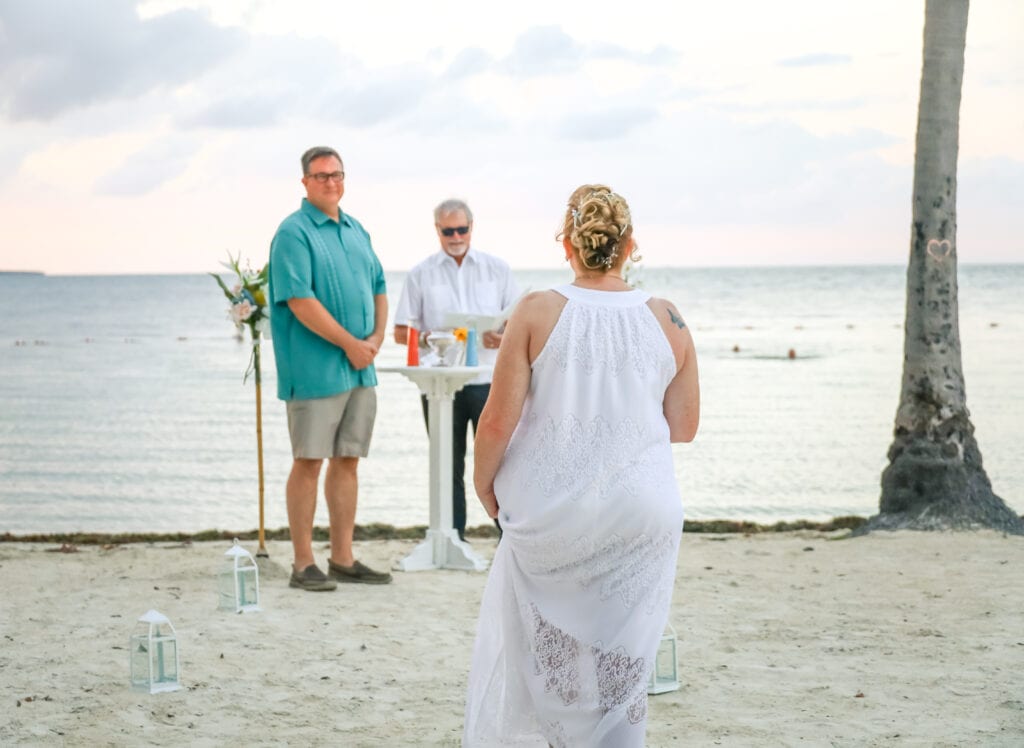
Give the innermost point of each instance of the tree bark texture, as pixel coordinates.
(935, 479)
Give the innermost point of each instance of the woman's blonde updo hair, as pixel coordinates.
(598, 226)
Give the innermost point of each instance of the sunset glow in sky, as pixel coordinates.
(154, 137)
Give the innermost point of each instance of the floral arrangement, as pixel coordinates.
(247, 299)
(631, 274)
(460, 334)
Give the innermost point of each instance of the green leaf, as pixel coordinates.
(223, 286)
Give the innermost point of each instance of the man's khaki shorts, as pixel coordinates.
(336, 426)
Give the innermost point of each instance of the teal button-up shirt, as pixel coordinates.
(313, 256)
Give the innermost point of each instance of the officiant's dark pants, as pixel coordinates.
(466, 409)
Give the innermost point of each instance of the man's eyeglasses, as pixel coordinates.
(461, 230)
(334, 176)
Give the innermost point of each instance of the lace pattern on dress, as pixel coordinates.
(634, 570)
(638, 571)
(618, 678)
(564, 451)
(557, 658)
(637, 711)
(580, 336)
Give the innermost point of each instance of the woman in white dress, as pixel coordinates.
(594, 381)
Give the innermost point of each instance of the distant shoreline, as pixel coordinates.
(641, 268)
(381, 531)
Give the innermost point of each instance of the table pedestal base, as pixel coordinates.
(442, 549)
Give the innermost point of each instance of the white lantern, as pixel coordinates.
(665, 673)
(153, 648)
(238, 581)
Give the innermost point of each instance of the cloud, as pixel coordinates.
(546, 50)
(62, 55)
(788, 106)
(383, 98)
(238, 112)
(293, 79)
(816, 59)
(984, 213)
(659, 56)
(543, 50)
(271, 80)
(149, 168)
(450, 113)
(723, 172)
(468, 62)
(16, 144)
(606, 124)
(863, 139)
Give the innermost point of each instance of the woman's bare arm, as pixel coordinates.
(682, 398)
(527, 330)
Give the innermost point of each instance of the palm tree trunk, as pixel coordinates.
(935, 478)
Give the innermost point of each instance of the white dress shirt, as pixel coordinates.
(482, 284)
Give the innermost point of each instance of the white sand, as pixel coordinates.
(785, 639)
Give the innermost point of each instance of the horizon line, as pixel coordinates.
(639, 268)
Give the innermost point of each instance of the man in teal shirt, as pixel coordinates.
(329, 310)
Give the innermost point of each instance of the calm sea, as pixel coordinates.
(122, 406)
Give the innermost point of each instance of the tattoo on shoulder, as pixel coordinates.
(676, 319)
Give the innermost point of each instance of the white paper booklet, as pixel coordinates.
(482, 322)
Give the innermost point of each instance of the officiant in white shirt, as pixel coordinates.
(458, 279)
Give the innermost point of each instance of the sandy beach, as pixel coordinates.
(800, 638)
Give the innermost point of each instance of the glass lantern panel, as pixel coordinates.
(165, 660)
(248, 591)
(665, 662)
(140, 661)
(226, 588)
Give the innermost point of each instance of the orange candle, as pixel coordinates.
(412, 356)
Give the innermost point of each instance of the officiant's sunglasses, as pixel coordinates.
(462, 231)
(334, 176)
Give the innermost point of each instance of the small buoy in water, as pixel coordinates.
(792, 353)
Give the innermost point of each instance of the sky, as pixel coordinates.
(159, 136)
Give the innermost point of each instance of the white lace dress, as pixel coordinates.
(579, 590)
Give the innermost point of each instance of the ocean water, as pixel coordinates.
(122, 406)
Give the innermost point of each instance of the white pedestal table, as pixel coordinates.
(442, 548)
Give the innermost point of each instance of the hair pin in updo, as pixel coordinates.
(575, 218)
